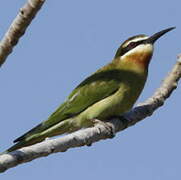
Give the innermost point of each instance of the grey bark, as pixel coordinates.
(18, 27)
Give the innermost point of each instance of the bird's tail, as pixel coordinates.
(63, 127)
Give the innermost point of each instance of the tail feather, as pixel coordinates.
(33, 130)
(63, 127)
(23, 143)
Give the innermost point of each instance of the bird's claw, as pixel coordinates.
(108, 127)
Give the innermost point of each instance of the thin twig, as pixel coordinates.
(100, 131)
(18, 27)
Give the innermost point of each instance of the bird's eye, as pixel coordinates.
(132, 44)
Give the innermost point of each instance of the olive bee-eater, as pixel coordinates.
(110, 91)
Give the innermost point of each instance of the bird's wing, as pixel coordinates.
(93, 89)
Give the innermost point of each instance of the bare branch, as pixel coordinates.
(100, 131)
(18, 27)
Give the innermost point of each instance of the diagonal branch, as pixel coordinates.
(100, 131)
(18, 27)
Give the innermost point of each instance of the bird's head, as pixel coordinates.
(139, 48)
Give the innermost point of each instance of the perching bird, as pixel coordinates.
(110, 91)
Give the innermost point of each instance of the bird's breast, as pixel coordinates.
(140, 56)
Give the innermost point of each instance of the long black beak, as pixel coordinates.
(157, 35)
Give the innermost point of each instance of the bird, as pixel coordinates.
(111, 91)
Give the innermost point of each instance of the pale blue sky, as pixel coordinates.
(66, 42)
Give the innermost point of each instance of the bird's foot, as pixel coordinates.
(47, 138)
(107, 125)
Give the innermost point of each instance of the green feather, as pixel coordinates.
(91, 90)
(112, 90)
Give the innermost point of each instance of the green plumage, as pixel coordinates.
(112, 90)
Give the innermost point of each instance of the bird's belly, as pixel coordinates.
(116, 104)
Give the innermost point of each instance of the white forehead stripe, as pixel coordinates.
(142, 48)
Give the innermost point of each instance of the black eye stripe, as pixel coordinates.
(123, 49)
(130, 46)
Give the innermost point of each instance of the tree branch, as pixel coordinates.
(100, 131)
(18, 27)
